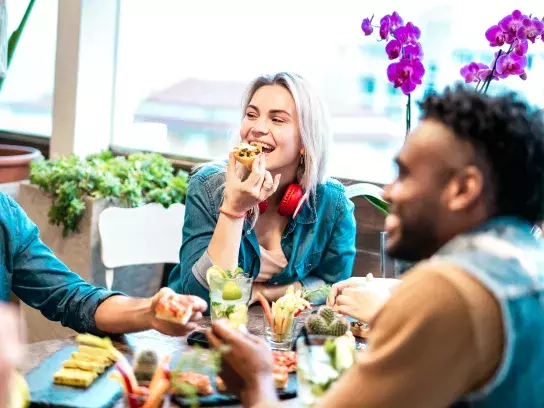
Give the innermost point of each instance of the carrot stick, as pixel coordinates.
(266, 308)
(156, 394)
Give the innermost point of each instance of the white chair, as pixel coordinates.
(149, 234)
(371, 192)
(363, 189)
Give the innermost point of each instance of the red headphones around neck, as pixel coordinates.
(291, 202)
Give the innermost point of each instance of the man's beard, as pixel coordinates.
(418, 240)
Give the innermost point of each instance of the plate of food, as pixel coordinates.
(210, 390)
(76, 376)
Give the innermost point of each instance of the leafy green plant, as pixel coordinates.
(131, 181)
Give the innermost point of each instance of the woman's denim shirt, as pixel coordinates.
(319, 243)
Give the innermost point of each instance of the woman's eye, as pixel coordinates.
(251, 115)
(278, 120)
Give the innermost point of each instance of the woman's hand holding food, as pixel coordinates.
(241, 196)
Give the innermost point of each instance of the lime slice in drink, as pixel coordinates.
(231, 291)
(343, 356)
(215, 272)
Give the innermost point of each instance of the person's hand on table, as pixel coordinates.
(338, 287)
(11, 348)
(247, 366)
(255, 289)
(171, 328)
(359, 303)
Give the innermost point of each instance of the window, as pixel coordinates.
(27, 95)
(181, 71)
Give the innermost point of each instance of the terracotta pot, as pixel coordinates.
(15, 162)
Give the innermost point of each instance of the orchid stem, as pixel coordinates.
(408, 114)
(488, 80)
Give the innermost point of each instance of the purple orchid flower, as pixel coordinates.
(385, 27)
(413, 51)
(396, 21)
(530, 29)
(495, 36)
(521, 48)
(393, 49)
(407, 34)
(366, 26)
(510, 25)
(511, 64)
(406, 74)
(472, 72)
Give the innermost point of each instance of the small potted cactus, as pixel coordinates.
(327, 322)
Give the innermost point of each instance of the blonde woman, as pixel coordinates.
(223, 222)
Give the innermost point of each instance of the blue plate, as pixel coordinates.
(102, 393)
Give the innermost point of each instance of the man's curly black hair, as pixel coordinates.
(508, 136)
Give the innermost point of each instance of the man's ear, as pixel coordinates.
(464, 188)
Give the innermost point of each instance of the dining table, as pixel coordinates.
(129, 343)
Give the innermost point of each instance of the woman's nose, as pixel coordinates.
(261, 127)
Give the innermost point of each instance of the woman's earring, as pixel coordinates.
(301, 159)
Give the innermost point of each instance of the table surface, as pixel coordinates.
(38, 352)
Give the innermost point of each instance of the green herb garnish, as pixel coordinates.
(200, 360)
(322, 292)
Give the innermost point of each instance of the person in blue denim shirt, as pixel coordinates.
(316, 247)
(41, 280)
(466, 324)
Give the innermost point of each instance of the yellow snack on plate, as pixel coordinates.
(95, 351)
(74, 378)
(84, 365)
(106, 362)
(95, 341)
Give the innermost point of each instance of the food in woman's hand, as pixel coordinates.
(287, 359)
(193, 379)
(247, 153)
(282, 314)
(327, 322)
(175, 308)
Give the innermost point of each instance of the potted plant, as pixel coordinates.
(14, 160)
(66, 196)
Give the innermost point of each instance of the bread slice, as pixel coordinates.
(175, 308)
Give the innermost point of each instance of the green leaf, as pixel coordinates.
(229, 310)
(16, 36)
(381, 205)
